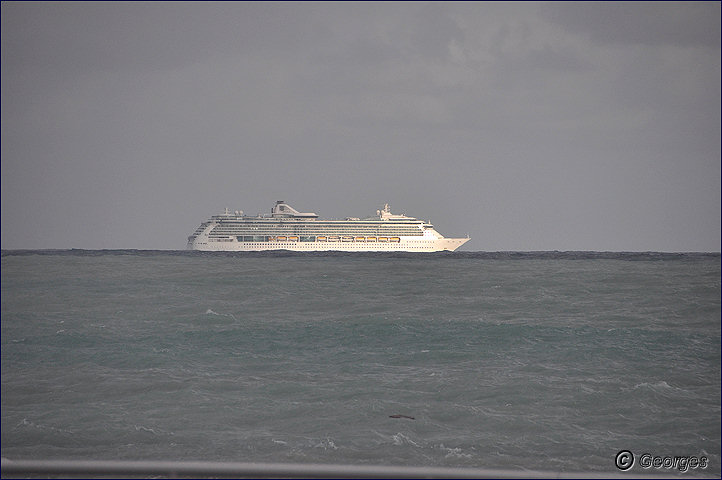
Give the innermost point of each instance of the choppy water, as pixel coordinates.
(542, 361)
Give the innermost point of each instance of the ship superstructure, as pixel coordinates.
(288, 229)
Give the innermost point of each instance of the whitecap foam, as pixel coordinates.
(454, 452)
(662, 384)
(326, 444)
(401, 439)
(139, 428)
(211, 312)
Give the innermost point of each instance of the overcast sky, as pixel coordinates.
(528, 126)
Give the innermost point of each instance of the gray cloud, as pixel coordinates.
(682, 24)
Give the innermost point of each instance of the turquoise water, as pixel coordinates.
(543, 361)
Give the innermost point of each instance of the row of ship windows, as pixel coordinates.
(359, 247)
(330, 231)
(332, 234)
(303, 238)
(317, 225)
(295, 226)
(281, 246)
(428, 246)
(350, 247)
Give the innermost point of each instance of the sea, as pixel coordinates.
(542, 361)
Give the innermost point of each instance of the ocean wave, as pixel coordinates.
(401, 439)
(662, 388)
(455, 452)
(211, 312)
(326, 444)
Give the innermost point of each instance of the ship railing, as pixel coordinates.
(171, 469)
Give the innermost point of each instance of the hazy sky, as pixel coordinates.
(528, 126)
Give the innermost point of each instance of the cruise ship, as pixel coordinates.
(288, 229)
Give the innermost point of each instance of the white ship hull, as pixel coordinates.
(404, 244)
(287, 229)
